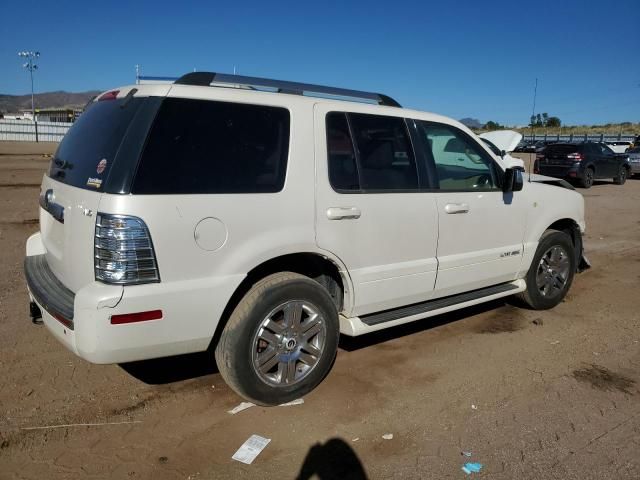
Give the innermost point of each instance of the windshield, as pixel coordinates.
(86, 153)
(492, 147)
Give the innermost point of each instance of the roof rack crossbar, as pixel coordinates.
(205, 79)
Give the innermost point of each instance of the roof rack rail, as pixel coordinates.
(206, 79)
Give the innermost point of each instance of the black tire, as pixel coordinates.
(533, 296)
(621, 177)
(587, 178)
(239, 347)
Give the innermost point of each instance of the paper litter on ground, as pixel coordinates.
(298, 401)
(241, 407)
(388, 436)
(469, 468)
(250, 449)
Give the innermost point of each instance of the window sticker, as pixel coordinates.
(94, 182)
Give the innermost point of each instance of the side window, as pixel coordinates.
(460, 163)
(604, 149)
(198, 146)
(343, 173)
(384, 154)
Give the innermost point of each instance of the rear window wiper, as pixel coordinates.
(62, 164)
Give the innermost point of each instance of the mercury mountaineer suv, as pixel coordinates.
(260, 219)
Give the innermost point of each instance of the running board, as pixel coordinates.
(354, 326)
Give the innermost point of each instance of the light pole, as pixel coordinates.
(31, 66)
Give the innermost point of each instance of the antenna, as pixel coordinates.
(137, 74)
(533, 121)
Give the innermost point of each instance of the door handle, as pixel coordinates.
(456, 207)
(343, 213)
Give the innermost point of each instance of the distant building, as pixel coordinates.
(57, 114)
(46, 115)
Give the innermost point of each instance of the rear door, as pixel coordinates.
(72, 189)
(370, 211)
(609, 161)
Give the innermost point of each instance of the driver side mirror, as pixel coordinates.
(512, 180)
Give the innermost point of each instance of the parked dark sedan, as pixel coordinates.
(583, 162)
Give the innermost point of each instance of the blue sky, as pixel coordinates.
(458, 58)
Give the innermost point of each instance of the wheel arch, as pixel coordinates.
(571, 228)
(326, 270)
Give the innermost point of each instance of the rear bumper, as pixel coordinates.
(560, 171)
(190, 309)
(635, 167)
(47, 291)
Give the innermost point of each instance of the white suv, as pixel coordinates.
(262, 219)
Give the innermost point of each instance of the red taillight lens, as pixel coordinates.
(539, 156)
(575, 157)
(136, 317)
(536, 167)
(112, 95)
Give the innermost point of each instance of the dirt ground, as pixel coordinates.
(532, 395)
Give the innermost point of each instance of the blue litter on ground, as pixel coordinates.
(467, 454)
(469, 468)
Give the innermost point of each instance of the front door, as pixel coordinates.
(481, 229)
(370, 211)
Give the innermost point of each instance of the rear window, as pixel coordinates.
(562, 149)
(85, 155)
(197, 146)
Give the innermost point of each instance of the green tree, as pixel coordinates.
(554, 122)
(491, 125)
(538, 120)
(532, 121)
(545, 118)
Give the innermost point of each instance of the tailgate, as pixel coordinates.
(68, 241)
(101, 146)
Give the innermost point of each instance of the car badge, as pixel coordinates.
(102, 165)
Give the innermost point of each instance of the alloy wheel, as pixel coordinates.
(289, 343)
(553, 272)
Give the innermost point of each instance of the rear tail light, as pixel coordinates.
(575, 157)
(123, 251)
(539, 156)
(112, 95)
(536, 167)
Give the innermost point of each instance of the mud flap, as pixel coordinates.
(584, 263)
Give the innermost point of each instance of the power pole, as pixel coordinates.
(31, 66)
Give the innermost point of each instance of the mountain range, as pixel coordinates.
(59, 99)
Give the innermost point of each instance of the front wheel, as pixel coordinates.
(621, 177)
(551, 272)
(280, 340)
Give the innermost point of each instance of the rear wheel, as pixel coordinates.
(280, 340)
(587, 178)
(621, 177)
(551, 272)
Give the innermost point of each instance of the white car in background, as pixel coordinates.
(619, 146)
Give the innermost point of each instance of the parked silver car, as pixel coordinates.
(634, 160)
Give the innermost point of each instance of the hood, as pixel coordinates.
(506, 140)
(558, 182)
